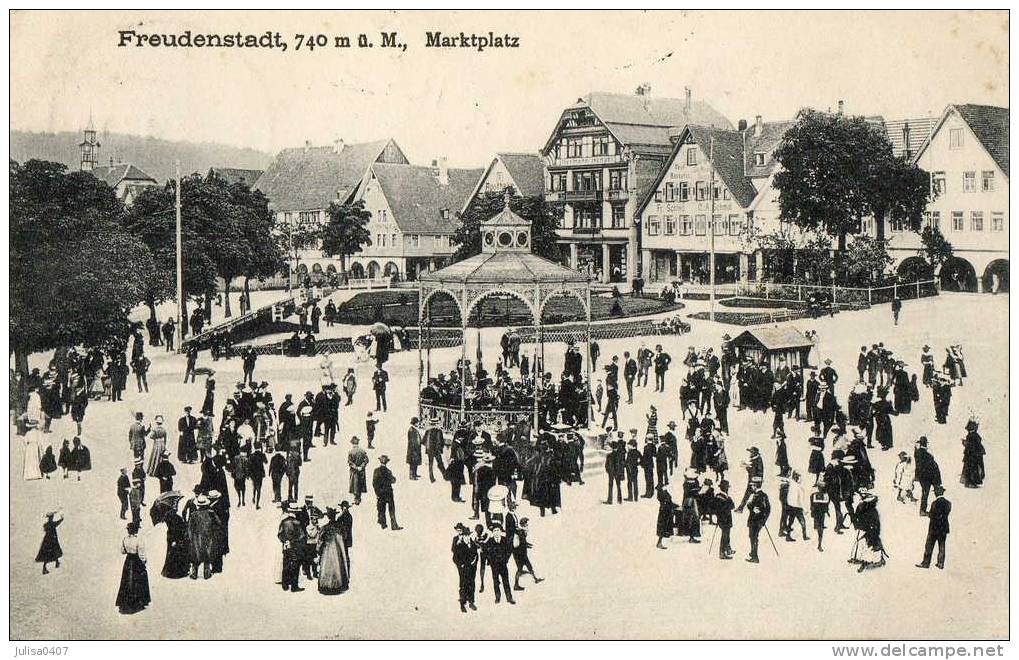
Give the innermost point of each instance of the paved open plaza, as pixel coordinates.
(603, 576)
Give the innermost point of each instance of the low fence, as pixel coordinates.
(840, 296)
(281, 309)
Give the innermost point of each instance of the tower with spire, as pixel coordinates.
(89, 148)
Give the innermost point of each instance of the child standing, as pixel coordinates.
(369, 424)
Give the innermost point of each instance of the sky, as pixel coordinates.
(466, 105)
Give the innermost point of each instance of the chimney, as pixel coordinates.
(758, 126)
(689, 102)
(841, 106)
(441, 171)
(338, 145)
(741, 125)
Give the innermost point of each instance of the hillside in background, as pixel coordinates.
(154, 155)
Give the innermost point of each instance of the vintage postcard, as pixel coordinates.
(553, 325)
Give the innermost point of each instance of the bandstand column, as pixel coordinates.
(463, 351)
(536, 317)
(421, 339)
(590, 389)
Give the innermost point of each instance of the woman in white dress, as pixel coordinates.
(33, 452)
(326, 367)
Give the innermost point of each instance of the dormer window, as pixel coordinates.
(445, 214)
(759, 158)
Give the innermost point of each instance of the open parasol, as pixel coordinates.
(163, 505)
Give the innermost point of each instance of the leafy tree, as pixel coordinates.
(936, 249)
(75, 274)
(346, 230)
(900, 195)
(544, 218)
(837, 170)
(295, 235)
(152, 218)
(866, 260)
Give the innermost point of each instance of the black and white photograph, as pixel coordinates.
(545, 325)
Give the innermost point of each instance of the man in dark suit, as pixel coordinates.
(615, 466)
(647, 461)
(937, 529)
(755, 472)
(465, 557)
(123, 490)
(723, 506)
(633, 457)
(760, 509)
(434, 442)
(927, 472)
(382, 484)
(721, 404)
(662, 361)
(861, 363)
(629, 375)
(187, 427)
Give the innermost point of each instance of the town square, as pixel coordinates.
(669, 368)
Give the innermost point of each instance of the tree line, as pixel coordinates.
(80, 260)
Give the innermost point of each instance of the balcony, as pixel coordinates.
(587, 231)
(573, 195)
(617, 195)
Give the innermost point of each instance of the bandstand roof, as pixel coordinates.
(505, 267)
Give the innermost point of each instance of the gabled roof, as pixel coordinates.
(775, 338)
(643, 121)
(725, 150)
(416, 198)
(919, 129)
(309, 178)
(766, 142)
(526, 170)
(990, 124)
(731, 154)
(235, 175)
(114, 174)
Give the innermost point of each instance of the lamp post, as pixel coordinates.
(180, 260)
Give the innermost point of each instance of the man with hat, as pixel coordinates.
(927, 362)
(723, 506)
(135, 497)
(647, 461)
(382, 483)
(662, 362)
(357, 461)
(633, 460)
(615, 467)
(484, 479)
(291, 535)
(434, 443)
(330, 414)
(465, 558)
(499, 549)
(838, 480)
(760, 509)
(671, 443)
(937, 529)
(306, 420)
(630, 369)
(138, 473)
(413, 448)
(277, 468)
(755, 470)
(829, 376)
(926, 470)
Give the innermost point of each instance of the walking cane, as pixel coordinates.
(773, 546)
(712, 541)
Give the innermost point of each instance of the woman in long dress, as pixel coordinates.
(870, 552)
(33, 417)
(158, 437)
(177, 563)
(33, 454)
(666, 516)
(334, 566)
(883, 411)
(972, 457)
(133, 595)
(49, 550)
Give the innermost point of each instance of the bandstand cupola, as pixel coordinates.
(505, 231)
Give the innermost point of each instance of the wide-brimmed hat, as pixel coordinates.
(672, 424)
(383, 459)
(849, 460)
(202, 500)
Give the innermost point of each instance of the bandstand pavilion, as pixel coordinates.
(505, 267)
